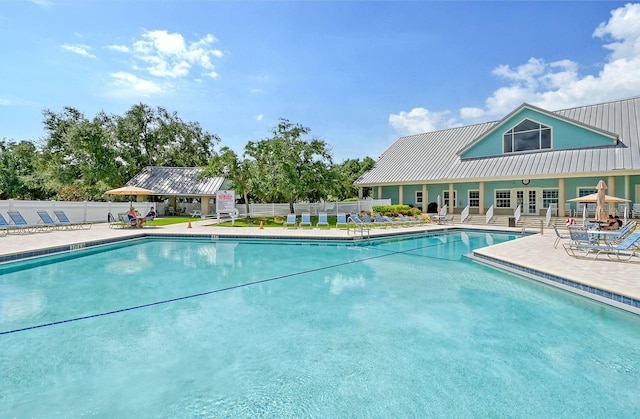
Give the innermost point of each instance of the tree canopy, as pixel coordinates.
(79, 158)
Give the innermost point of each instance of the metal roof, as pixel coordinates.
(182, 181)
(433, 157)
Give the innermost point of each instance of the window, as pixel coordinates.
(445, 196)
(419, 197)
(474, 199)
(586, 191)
(503, 199)
(549, 197)
(528, 135)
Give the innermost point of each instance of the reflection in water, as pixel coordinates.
(20, 305)
(340, 283)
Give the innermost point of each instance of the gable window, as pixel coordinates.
(528, 135)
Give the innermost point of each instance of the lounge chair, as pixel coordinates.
(8, 228)
(367, 220)
(623, 251)
(305, 221)
(47, 220)
(341, 221)
(559, 236)
(64, 220)
(323, 220)
(291, 221)
(19, 221)
(383, 222)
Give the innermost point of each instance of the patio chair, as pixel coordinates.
(341, 221)
(63, 219)
(19, 221)
(305, 221)
(623, 251)
(383, 222)
(8, 228)
(291, 221)
(559, 236)
(323, 220)
(47, 220)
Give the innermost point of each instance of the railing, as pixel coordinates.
(517, 213)
(489, 215)
(464, 214)
(550, 211)
(532, 223)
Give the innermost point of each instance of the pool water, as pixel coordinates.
(387, 328)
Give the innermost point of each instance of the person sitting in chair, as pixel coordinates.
(151, 215)
(133, 217)
(612, 224)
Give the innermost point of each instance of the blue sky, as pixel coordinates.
(359, 74)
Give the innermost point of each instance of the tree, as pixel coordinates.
(18, 171)
(288, 168)
(86, 157)
(348, 172)
(238, 171)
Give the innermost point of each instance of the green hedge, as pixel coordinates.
(394, 210)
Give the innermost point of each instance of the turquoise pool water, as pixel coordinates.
(394, 328)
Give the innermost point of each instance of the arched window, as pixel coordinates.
(528, 135)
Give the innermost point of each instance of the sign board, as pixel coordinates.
(225, 202)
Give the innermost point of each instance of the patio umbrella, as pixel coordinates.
(439, 200)
(130, 190)
(601, 212)
(594, 198)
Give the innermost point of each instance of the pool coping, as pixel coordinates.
(614, 299)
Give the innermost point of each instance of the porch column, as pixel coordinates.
(481, 210)
(562, 198)
(205, 205)
(379, 196)
(611, 190)
(627, 187)
(400, 194)
(452, 202)
(360, 193)
(425, 198)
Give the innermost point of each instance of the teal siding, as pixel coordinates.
(390, 192)
(565, 136)
(410, 195)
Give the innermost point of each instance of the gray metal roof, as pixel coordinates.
(433, 157)
(182, 181)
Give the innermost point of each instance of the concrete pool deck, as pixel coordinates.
(612, 282)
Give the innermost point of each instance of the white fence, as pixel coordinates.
(331, 208)
(92, 212)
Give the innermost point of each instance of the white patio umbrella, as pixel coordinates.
(439, 200)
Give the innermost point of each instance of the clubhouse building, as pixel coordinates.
(531, 159)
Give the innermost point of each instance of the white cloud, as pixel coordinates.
(78, 49)
(4, 102)
(553, 86)
(168, 55)
(119, 48)
(419, 120)
(258, 118)
(130, 84)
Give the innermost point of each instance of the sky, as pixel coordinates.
(358, 74)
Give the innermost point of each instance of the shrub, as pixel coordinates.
(394, 210)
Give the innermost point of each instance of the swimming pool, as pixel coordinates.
(386, 328)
